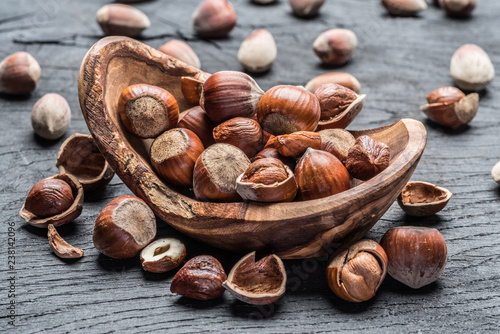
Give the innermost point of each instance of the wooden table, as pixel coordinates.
(398, 62)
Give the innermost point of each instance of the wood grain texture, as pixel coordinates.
(398, 62)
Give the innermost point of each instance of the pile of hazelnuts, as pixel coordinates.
(241, 143)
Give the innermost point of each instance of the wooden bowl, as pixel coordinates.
(291, 230)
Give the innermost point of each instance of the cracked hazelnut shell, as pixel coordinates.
(163, 255)
(60, 247)
(295, 144)
(421, 199)
(192, 87)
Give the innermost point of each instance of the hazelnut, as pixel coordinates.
(355, 273)
(200, 278)
(80, 157)
(471, 68)
(216, 171)
(258, 51)
(417, 255)
(448, 106)
(320, 174)
(267, 180)
(423, 199)
(342, 78)
(306, 8)
(214, 18)
(124, 227)
(196, 120)
(56, 200)
(404, 7)
(295, 144)
(337, 142)
(122, 20)
(335, 46)
(51, 116)
(242, 132)
(19, 74)
(495, 172)
(367, 157)
(60, 247)
(271, 152)
(146, 111)
(458, 8)
(263, 2)
(287, 109)
(259, 283)
(173, 155)
(192, 87)
(229, 94)
(163, 255)
(182, 51)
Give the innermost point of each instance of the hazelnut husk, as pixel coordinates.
(192, 87)
(124, 227)
(19, 74)
(335, 46)
(355, 273)
(417, 255)
(122, 20)
(295, 144)
(182, 51)
(337, 142)
(163, 255)
(173, 155)
(258, 283)
(200, 278)
(320, 174)
(286, 109)
(242, 132)
(421, 199)
(216, 171)
(214, 18)
(449, 106)
(196, 120)
(60, 247)
(342, 78)
(367, 158)
(147, 111)
(56, 200)
(267, 180)
(80, 157)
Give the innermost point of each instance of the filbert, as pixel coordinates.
(51, 116)
(258, 51)
(214, 18)
(367, 158)
(306, 8)
(335, 46)
(342, 78)
(192, 87)
(19, 74)
(404, 7)
(337, 142)
(296, 143)
(122, 20)
(242, 132)
(458, 8)
(196, 120)
(182, 51)
(471, 68)
(495, 172)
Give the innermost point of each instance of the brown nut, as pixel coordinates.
(200, 278)
(192, 87)
(124, 227)
(267, 180)
(196, 120)
(306, 8)
(342, 78)
(335, 46)
(147, 111)
(458, 8)
(122, 20)
(334, 99)
(19, 74)
(286, 109)
(80, 157)
(242, 132)
(404, 7)
(216, 171)
(367, 157)
(56, 200)
(258, 283)
(337, 142)
(60, 247)
(355, 273)
(295, 144)
(51, 116)
(423, 199)
(163, 255)
(229, 94)
(214, 18)
(471, 68)
(182, 51)
(450, 107)
(417, 255)
(271, 152)
(173, 155)
(258, 51)
(320, 174)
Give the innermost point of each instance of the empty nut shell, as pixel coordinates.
(423, 199)
(163, 255)
(192, 87)
(60, 247)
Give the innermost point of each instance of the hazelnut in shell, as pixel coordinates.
(214, 18)
(257, 282)
(51, 116)
(458, 8)
(182, 51)
(56, 200)
(163, 255)
(306, 8)
(335, 46)
(258, 51)
(337, 142)
(124, 227)
(342, 78)
(421, 199)
(196, 120)
(404, 7)
(122, 20)
(19, 74)
(244, 133)
(192, 87)
(471, 68)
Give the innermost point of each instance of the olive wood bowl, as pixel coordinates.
(290, 230)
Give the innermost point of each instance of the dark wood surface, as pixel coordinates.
(398, 62)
